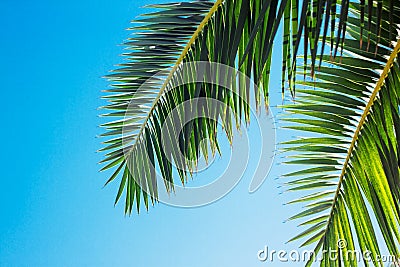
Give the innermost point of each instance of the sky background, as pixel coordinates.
(54, 210)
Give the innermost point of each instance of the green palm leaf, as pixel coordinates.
(351, 111)
(229, 32)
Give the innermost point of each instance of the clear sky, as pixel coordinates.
(54, 211)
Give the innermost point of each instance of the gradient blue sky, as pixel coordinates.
(54, 209)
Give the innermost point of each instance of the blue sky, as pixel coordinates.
(54, 209)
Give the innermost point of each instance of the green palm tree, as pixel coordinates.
(348, 103)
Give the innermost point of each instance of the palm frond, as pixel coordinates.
(233, 33)
(351, 114)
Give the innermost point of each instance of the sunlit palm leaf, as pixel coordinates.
(351, 112)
